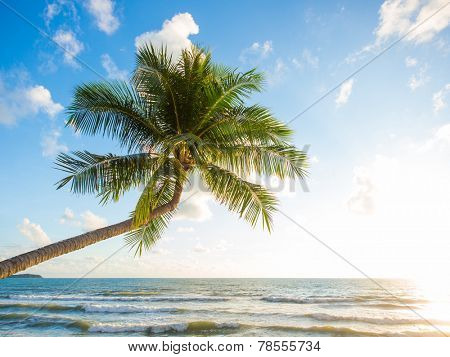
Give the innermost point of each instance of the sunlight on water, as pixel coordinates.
(221, 307)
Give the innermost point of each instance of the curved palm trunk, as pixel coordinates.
(24, 261)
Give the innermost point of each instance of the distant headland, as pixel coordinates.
(18, 276)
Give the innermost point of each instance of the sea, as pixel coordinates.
(221, 307)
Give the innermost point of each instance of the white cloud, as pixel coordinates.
(410, 61)
(90, 221)
(52, 10)
(22, 100)
(344, 92)
(33, 232)
(40, 99)
(277, 73)
(419, 79)
(195, 208)
(159, 251)
(51, 145)
(113, 72)
(174, 34)
(103, 11)
(361, 200)
(67, 216)
(71, 45)
(307, 59)
(256, 52)
(185, 229)
(222, 246)
(398, 17)
(199, 248)
(65, 8)
(439, 98)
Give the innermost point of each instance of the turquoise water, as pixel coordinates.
(219, 307)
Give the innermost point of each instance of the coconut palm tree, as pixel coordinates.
(178, 117)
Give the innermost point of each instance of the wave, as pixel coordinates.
(45, 307)
(211, 327)
(389, 306)
(307, 300)
(350, 299)
(129, 293)
(44, 321)
(127, 309)
(81, 325)
(369, 320)
(92, 308)
(174, 328)
(326, 330)
(175, 298)
(14, 316)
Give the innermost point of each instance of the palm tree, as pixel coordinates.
(177, 118)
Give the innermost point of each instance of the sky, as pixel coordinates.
(378, 190)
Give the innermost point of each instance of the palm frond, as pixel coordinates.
(229, 89)
(251, 201)
(242, 125)
(282, 160)
(145, 237)
(108, 176)
(114, 110)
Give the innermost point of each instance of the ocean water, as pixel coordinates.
(220, 307)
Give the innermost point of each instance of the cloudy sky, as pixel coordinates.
(378, 191)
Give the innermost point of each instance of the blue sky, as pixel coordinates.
(379, 144)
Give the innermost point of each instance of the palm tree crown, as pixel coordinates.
(179, 117)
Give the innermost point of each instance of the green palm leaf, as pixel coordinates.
(251, 201)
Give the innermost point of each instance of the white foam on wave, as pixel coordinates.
(307, 300)
(178, 327)
(371, 320)
(117, 328)
(179, 298)
(126, 309)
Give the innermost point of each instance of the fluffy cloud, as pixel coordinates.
(439, 98)
(410, 61)
(397, 17)
(194, 204)
(51, 145)
(344, 92)
(68, 41)
(33, 232)
(67, 216)
(40, 99)
(361, 200)
(307, 59)
(23, 100)
(174, 34)
(52, 10)
(159, 251)
(195, 208)
(393, 182)
(65, 8)
(185, 229)
(419, 79)
(276, 74)
(256, 51)
(199, 248)
(113, 72)
(103, 11)
(90, 221)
